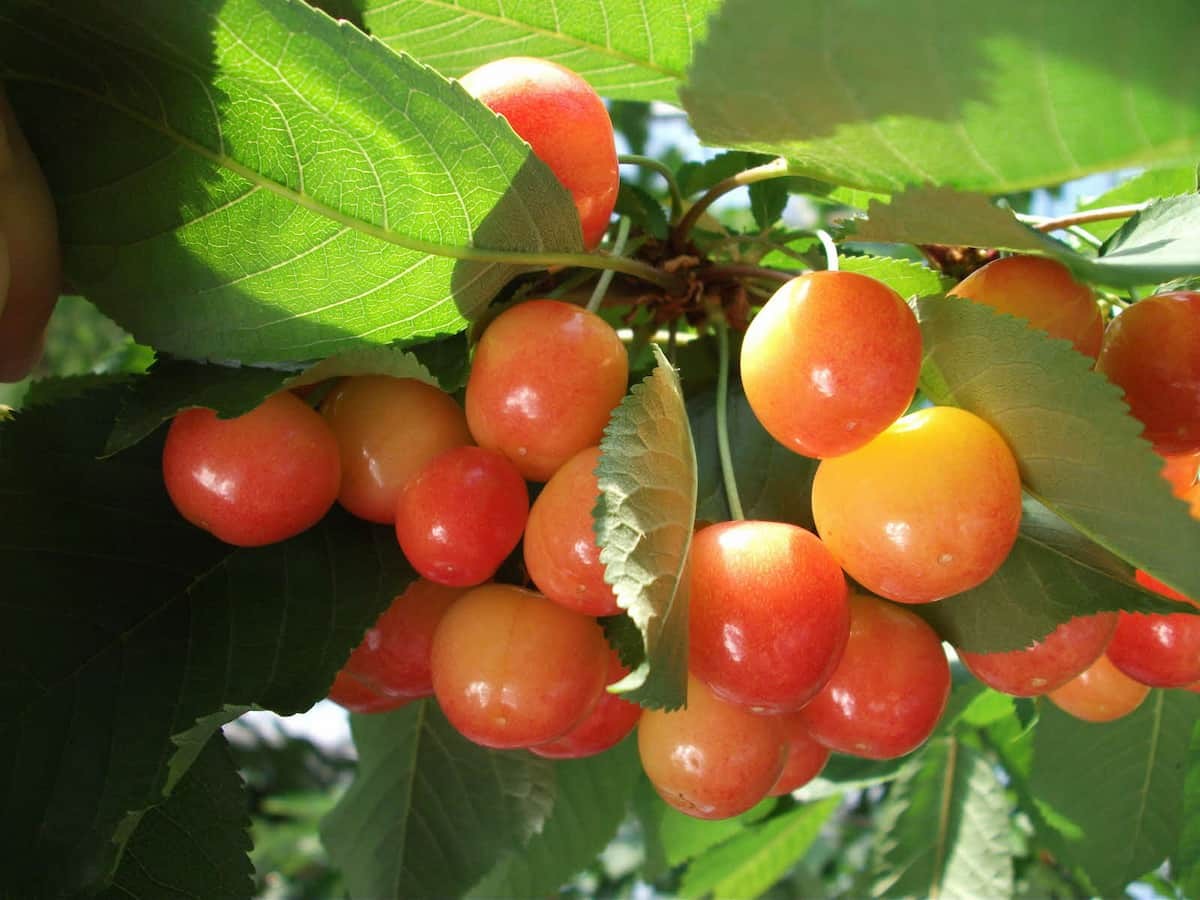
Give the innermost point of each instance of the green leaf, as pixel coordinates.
(196, 843)
(591, 801)
(1079, 451)
(774, 483)
(1157, 244)
(643, 521)
(1150, 185)
(1119, 786)
(1186, 860)
(748, 864)
(624, 48)
(429, 812)
(173, 385)
(944, 828)
(249, 180)
(768, 199)
(990, 98)
(160, 634)
(694, 177)
(642, 209)
(906, 278)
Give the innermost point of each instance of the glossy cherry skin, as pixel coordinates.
(387, 429)
(928, 509)
(1101, 693)
(1152, 352)
(610, 720)
(393, 657)
(806, 758)
(544, 380)
(359, 697)
(713, 759)
(461, 515)
(830, 361)
(1044, 293)
(1158, 650)
(1046, 664)
(565, 122)
(511, 669)
(256, 479)
(889, 690)
(561, 555)
(768, 613)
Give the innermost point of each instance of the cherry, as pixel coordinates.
(1182, 471)
(1101, 693)
(564, 120)
(1152, 352)
(358, 697)
(393, 657)
(461, 515)
(1046, 664)
(610, 720)
(830, 361)
(255, 479)
(1158, 650)
(1043, 292)
(929, 508)
(713, 759)
(889, 690)
(767, 613)
(806, 758)
(561, 555)
(387, 429)
(545, 378)
(511, 669)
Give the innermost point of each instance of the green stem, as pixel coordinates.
(831, 256)
(668, 176)
(607, 277)
(731, 489)
(776, 168)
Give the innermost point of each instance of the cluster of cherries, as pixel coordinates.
(787, 663)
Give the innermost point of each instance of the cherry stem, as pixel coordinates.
(748, 271)
(607, 276)
(776, 168)
(646, 162)
(731, 489)
(831, 254)
(1083, 216)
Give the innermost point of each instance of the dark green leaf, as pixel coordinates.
(161, 633)
(249, 180)
(643, 522)
(768, 199)
(1116, 789)
(642, 209)
(990, 98)
(429, 812)
(1186, 860)
(694, 177)
(195, 843)
(944, 828)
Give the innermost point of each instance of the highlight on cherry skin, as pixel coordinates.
(544, 380)
(255, 479)
(1158, 650)
(929, 508)
(830, 361)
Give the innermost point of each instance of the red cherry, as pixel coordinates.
(1158, 650)
(359, 697)
(610, 720)
(806, 758)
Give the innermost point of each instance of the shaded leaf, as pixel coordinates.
(642, 209)
(429, 812)
(1157, 244)
(1186, 860)
(643, 523)
(768, 199)
(695, 177)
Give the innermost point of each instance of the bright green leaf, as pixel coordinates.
(1151, 185)
(429, 812)
(643, 522)
(906, 278)
(992, 98)
(1157, 244)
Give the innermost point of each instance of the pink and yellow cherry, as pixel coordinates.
(461, 515)
(511, 669)
(888, 692)
(387, 429)
(563, 119)
(1043, 292)
(393, 657)
(610, 720)
(928, 509)
(830, 361)
(1152, 352)
(1158, 650)
(806, 758)
(713, 759)
(545, 378)
(255, 479)
(561, 555)
(358, 697)
(768, 614)
(1047, 664)
(1101, 693)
